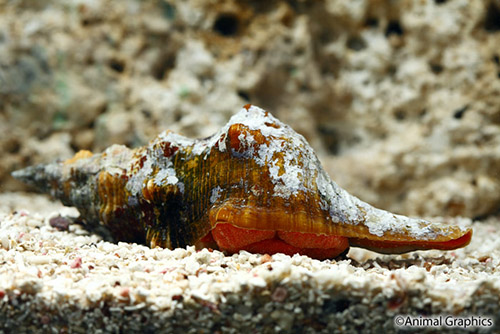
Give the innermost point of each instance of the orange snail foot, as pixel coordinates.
(232, 239)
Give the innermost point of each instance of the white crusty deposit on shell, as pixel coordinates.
(155, 161)
(293, 167)
(380, 221)
(215, 195)
(302, 170)
(289, 158)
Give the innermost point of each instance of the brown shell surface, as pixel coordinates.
(255, 173)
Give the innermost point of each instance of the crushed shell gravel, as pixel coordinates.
(74, 282)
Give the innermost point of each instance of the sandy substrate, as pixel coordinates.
(71, 281)
(399, 99)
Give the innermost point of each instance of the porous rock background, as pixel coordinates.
(401, 99)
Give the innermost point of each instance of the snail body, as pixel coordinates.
(255, 185)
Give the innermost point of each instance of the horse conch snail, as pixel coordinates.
(256, 185)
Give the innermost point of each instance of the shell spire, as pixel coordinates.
(40, 176)
(255, 185)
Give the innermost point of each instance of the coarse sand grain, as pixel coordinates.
(67, 280)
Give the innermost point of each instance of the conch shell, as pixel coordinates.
(255, 185)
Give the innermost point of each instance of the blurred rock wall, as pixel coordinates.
(401, 99)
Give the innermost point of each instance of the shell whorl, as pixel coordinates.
(255, 173)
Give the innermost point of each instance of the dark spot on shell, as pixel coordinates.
(168, 149)
(142, 160)
(273, 125)
(124, 176)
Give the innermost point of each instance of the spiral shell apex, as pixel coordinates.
(255, 185)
